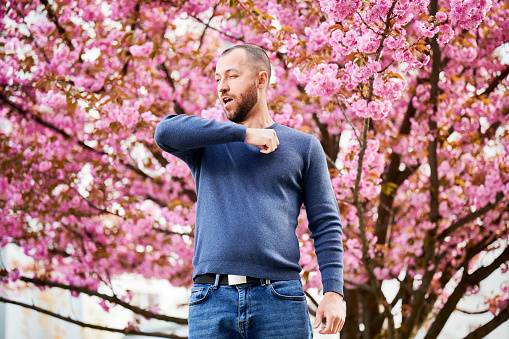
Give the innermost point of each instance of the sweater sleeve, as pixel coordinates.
(184, 136)
(324, 221)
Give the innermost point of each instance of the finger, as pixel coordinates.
(264, 149)
(334, 328)
(272, 145)
(329, 325)
(341, 324)
(274, 139)
(337, 326)
(323, 329)
(268, 147)
(318, 318)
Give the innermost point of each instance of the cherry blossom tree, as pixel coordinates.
(416, 91)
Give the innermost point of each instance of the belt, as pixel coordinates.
(229, 279)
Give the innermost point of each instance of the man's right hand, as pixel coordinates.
(265, 138)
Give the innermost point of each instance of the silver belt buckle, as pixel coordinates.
(236, 279)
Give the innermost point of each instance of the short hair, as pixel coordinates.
(256, 56)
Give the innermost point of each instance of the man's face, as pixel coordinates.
(236, 85)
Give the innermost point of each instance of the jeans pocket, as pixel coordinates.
(288, 290)
(199, 293)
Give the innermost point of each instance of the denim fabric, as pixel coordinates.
(249, 311)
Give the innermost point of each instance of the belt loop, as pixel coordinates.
(262, 282)
(216, 283)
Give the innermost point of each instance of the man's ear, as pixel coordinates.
(263, 79)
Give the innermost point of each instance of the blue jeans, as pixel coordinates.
(249, 311)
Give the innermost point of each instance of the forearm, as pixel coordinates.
(329, 252)
(183, 132)
(327, 233)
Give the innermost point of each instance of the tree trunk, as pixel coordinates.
(370, 315)
(351, 328)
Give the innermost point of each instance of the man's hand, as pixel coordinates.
(266, 139)
(331, 308)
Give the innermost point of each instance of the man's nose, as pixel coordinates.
(222, 86)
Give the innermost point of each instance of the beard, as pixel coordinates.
(248, 99)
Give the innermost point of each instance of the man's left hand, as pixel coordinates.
(330, 308)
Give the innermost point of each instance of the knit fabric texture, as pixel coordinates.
(249, 202)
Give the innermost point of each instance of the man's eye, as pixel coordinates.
(217, 80)
(233, 76)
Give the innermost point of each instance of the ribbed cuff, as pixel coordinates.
(333, 286)
(239, 132)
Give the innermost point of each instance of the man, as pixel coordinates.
(252, 176)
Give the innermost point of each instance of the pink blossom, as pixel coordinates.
(394, 42)
(339, 9)
(468, 14)
(142, 50)
(44, 166)
(14, 275)
(441, 17)
(104, 306)
(446, 34)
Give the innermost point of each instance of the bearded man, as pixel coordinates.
(252, 176)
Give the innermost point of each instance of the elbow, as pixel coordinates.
(163, 130)
(162, 136)
(159, 135)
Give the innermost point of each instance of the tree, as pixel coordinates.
(417, 89)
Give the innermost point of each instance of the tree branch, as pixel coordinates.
(363, 287)
(215, 29)
(393, 175)
(471, 217)
(330, 143)
(125, 331)
(472, 312)
(57, 130)
(379, 296)
(54, 19)
(466, 281)
(160, 230)
(434, 215)
(495, 82)
(310, 297)
(483, 331)
(112, 299)
(349, 122)
(207, 25)
(178, 108)
(367, 26)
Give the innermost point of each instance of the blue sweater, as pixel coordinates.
(249, 202)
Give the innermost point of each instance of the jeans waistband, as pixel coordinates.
(210, 278)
